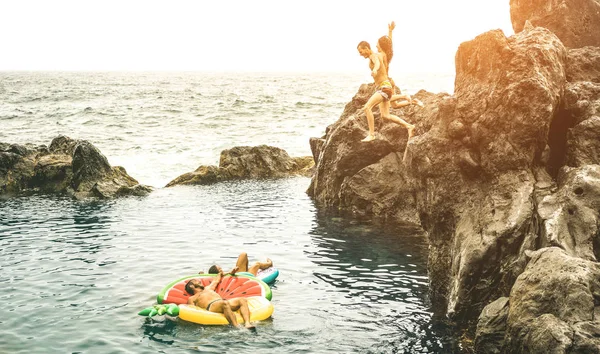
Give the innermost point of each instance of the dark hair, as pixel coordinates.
(364, 44)
(213, 269)
(385, 43)
(189, 288)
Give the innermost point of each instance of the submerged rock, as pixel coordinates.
(74, 167)
(244, 162)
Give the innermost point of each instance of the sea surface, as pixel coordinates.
(75, 273)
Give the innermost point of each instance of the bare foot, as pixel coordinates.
(270, 262)
(249, 326)
(368, 138)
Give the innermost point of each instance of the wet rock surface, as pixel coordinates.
(73, 167)
(247, 162)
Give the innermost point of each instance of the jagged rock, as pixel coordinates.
(554, 305)
(576, 23)
(474, 172)
(571, 216)
(476, 200)
(491, 327)
(380, 188)
(243, 162)
(356, 176)
(583, 143)
(75, 167)
(583, 64)
(316, 145)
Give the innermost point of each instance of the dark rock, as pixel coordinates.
(89, 166)
(316, 145)
(381, 189)
(491, 327)
(553, 305)
(575, 22)
(62, 145)
(244, 162)
(74, 167)
(571, 216)
(52, 173)
(583, 143)
(583, 64)
(473, 174)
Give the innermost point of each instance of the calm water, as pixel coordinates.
(75, 273)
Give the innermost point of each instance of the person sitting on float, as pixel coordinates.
(207, 298)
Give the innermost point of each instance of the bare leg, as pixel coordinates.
(260, 265)
(385, 113)
(242, 262)
(242, 304)
(375, 99)
(406, 100)
(225, 308)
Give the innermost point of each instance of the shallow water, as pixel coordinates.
(75, 273)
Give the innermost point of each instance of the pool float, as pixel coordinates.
(162, 309)
(260, 309)
(268, 275)
(239, 285)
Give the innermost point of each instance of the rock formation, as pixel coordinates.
(575, 22)
(243, 162)
(74, 167)
(502, 171)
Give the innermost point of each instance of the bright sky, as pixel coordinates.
(238, 35)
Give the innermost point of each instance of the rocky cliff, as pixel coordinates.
(499, 173)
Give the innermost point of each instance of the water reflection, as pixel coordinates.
(382, 270)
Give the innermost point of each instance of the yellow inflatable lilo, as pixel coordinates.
(260, 309)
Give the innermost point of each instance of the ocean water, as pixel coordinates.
(75, 273)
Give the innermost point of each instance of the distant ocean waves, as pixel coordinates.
(159, 125)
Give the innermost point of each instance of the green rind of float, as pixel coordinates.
(161, 296)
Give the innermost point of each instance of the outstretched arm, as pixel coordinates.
(234, 270)
(213, 284)
(391, 27)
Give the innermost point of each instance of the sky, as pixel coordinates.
(238, 35)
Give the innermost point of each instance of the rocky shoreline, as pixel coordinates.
(67, 166)
(77, 168)
(504, 175)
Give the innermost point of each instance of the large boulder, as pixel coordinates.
(478, 189)
(369, 178)
(554, 305)
(74, 167)
(571, 216)
(575, 22)
(245, 162)
(578, 129)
